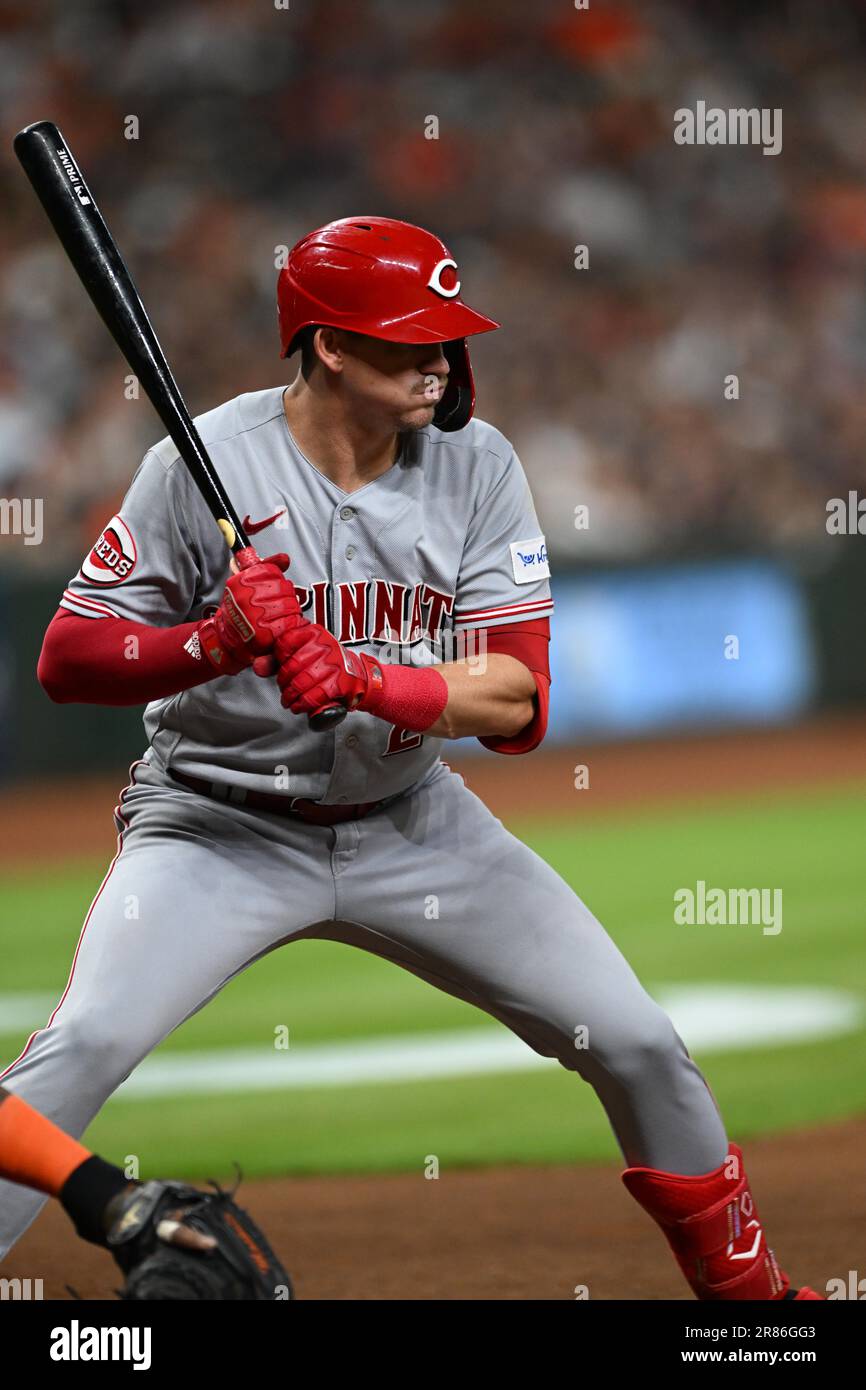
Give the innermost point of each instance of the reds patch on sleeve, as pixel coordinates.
(113, 557)
(529, 560)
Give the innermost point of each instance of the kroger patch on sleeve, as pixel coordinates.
(529, 560)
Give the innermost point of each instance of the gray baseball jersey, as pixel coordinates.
(446, 538)
(445, 541)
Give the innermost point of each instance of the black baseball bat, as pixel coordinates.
(60, 187)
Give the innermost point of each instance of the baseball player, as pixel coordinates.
(418, 599)
(137, 1221)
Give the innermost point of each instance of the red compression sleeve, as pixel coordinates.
(112, 661)
(527, 642)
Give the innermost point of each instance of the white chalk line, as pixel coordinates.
(709, 1018)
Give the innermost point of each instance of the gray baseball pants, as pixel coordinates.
(217, 886)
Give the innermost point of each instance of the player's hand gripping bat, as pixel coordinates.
(62, 191)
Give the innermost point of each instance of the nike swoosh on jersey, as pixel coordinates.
(252, 527)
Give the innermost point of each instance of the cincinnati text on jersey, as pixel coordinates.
(376, 610)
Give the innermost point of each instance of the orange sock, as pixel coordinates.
(34, 1151)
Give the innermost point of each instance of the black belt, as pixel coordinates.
(298, 807)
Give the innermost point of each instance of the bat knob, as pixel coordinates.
(327, 718)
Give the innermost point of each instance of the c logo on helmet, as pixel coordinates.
(435, 281)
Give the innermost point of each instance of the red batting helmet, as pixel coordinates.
(389, 280)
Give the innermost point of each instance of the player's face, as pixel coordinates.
(394, 384)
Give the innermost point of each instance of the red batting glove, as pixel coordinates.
(315, 671)
(259, 605)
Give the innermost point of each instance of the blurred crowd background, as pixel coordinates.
(257, 122)
(216, 133)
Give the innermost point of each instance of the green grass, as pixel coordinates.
(627, 869)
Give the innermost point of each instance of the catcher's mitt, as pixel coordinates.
(241, 1266)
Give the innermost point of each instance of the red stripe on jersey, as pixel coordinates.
(101, 609)
(478, 616)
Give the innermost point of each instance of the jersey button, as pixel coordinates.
(352, 741)
(346, 513)
(350, 552)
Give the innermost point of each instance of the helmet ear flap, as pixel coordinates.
(458, 399)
